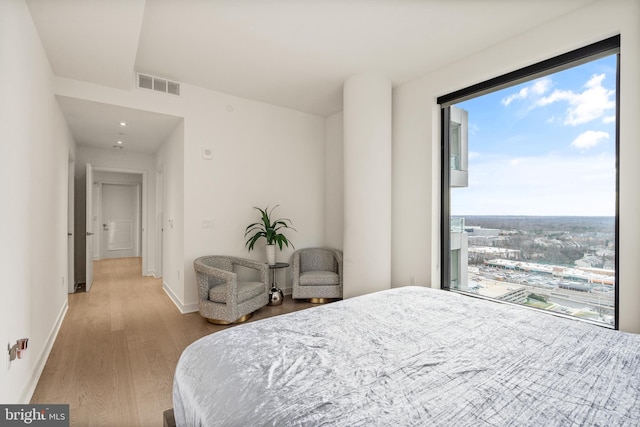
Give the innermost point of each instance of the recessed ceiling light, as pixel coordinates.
(123, 123)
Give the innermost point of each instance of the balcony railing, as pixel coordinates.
(457, 225)
(454, 162)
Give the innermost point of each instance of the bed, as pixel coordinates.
(411, 356)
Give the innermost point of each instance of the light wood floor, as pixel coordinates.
(115, 355)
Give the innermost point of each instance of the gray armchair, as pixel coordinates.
(317, 274)
(222, 298)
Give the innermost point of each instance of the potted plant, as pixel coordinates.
(271, 231)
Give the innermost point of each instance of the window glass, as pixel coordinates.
(532, 192)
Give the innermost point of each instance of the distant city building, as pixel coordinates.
(589, 261)
(477, 231)
(489, 252)
(504, 292)
(606, 253)
(546, 242)
(588, 275)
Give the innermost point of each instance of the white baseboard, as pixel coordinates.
(27, 393)
(184, 308)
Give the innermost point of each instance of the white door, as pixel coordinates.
(120, 221)
(89, 228)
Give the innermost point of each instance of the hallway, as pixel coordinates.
(115, 355)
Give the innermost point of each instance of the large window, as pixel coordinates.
(529, 173)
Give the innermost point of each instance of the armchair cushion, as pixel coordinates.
(246, 291)
(319, 278)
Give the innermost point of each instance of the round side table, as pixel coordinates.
(275, 294)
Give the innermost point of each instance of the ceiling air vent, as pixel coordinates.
(157, 84)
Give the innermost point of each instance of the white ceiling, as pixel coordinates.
(291, 53)
(94, 124)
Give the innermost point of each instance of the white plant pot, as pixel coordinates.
(271, 254)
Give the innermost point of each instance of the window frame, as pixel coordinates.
(574, 58)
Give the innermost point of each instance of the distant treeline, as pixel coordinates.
(543, 224)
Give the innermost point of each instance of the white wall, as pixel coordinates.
(416, 139)
(367, 184)
(170, 161)
(415, 188)
(334, 182)
(262, 155)
(34, 155)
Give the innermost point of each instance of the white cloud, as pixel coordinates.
(473, 154)
(589, 139)
(586, 106)
(544, 185)
(539, 87)
(518, 95)
(609, 119)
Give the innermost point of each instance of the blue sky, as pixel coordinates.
(544, 147)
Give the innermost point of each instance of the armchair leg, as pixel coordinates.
(224, 322)
(319, 300)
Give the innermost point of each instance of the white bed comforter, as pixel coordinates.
(411, 357)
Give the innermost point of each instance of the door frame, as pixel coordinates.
(71, 274)
(89, 242)
(144, 250)
(159, 219)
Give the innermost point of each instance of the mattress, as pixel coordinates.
(411, 356)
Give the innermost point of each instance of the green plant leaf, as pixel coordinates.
(254, 227)
(268, 229)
